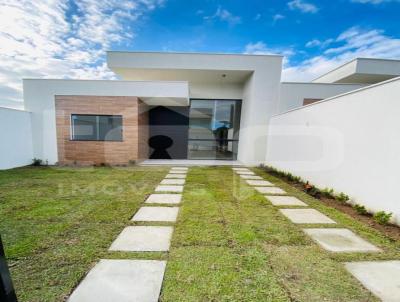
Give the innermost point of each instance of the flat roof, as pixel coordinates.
(362, 71)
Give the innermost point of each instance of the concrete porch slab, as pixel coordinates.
(259, 183)
(179, 176)
(251, 177)
(143, 239)
(306, 216)
(270, 190)
(380, 277)
(178, 189)
(167, 214)
(172, 182)
(122, 281)
(285, 201)
(189, 162)
(164, 198)
(340, 240)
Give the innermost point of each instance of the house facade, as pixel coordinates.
(171, 106)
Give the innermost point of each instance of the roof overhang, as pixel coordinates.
(363, 71)
(191, 67)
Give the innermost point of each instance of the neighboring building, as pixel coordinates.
(176, 105)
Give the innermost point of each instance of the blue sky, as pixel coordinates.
(68, 39)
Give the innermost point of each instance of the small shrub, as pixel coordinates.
(360, 209)
(37, 162)
(329, 193)
(342, 197)
(132, 162)
(382, 217)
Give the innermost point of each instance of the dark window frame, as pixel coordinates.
(240, 101)
(72, 138)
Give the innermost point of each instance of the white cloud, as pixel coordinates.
(277, 17)
(303, 6)
(43, 39)
(225, 16)
(319, 43)
(352, 43)
(260, 48)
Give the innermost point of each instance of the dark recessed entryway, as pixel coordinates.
(168, 136)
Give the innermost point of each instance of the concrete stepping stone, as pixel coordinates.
(172, 182)
(122, 281)
(306, 216)
(178, 189)
(177, 172)
(143, 239)
(179, 168)
(240, 169)
(270, 190)
(178, 176)
(340, 240)
(380, 277)
(167, 214)
(285, 201)
(164, 198)
(245, 172)
(259, 183)
(251, 177)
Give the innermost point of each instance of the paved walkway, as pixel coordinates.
(381, 277)
(137, 280)
(141, 280)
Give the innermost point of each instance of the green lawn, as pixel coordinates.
(229, 243)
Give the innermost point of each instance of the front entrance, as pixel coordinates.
(168, 132)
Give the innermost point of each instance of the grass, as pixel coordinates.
(229, 244)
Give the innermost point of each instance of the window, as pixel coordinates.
(96, 127)
(214, 129)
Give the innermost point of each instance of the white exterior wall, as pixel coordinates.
(349, 143)
(16, 138)
(39, 99)
(293, 94)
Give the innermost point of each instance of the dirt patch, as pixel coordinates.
(390, 230)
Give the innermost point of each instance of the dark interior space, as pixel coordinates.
(168, 132)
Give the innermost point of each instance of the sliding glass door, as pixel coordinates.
(214, 129)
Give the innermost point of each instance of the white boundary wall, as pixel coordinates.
(16, 138)
(350, 143)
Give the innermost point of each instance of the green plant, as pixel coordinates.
(382, 217)
(37, 162)
(132, 162)
(360, 209)
(329, 193)
(342, 197)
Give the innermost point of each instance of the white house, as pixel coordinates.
(340, 130)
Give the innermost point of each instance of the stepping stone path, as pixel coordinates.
(270, 190)
(143, 239)
(306, 216)
(122, 281)
(137, 280)
(172, 182)
(285, 201)
(381, 277)
(168, 214)
(340, 240)
(259, 183)
(164, 198)
(178, 189)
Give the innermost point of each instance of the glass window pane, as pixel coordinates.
(110, 128)
(211, 149)
(84, 127)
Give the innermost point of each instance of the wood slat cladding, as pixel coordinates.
(133, 147)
